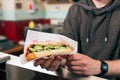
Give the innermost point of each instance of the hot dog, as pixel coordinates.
(45, 50)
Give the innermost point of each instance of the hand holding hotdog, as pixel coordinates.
(52, 63)
(83, 65)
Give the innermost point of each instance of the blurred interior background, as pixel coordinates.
(17, 16)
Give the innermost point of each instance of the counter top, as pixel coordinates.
(17, 71)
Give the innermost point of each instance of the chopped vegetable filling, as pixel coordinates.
(39, 48)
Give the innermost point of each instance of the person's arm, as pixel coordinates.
(84, 65)
(114, 68)
(67, 29)
(71, 23)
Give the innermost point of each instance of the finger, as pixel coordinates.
(77, 68)
(76, 63)
(63, 63)
(47, 62)
(78, 72)
(55, 63)
(74, 57)
(38, 62)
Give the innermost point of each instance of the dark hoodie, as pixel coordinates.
(97, 30)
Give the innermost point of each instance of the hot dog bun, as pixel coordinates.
(47, 49)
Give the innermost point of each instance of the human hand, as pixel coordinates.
(83, 65)
(51, 63)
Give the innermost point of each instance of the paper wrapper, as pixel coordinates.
(42, 37)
